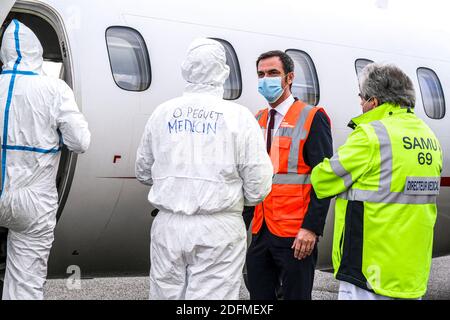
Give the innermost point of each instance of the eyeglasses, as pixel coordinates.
(366, 97)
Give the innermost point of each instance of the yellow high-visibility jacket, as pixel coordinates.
(386, 177)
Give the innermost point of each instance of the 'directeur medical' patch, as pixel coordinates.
(422, 186)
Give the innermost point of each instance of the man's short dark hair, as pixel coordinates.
(286, 61)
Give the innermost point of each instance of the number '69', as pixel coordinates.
(425, 158)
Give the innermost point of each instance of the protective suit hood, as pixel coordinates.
(205, 67)
(21, 49)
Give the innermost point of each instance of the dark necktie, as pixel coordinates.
(270, 128)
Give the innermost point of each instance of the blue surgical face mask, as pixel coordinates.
(270, 88)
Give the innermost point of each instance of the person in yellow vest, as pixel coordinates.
(287, 224)
(386, 177)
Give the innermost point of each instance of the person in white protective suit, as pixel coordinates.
(37, 114)
(204, 157)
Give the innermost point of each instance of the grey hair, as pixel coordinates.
(387, 83)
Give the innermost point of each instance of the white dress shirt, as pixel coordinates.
(281, 110)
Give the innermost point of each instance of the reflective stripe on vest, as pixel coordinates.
(297, 133)
(291, 179)
(384, 194)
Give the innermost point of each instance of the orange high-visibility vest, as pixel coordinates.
(286, 205)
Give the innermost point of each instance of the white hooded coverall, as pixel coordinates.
(37, 114)
(205, 158)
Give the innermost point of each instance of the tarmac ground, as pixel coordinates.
(137, 288)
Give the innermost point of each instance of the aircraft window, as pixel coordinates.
(305, 85)
(128, 56)
(360, 64)
(432, 94)
(233, 85)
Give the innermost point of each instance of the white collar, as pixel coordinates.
(283, 107)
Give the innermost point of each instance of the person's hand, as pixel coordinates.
(304, 243)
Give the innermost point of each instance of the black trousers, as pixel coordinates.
(248, 214)
(269, 259)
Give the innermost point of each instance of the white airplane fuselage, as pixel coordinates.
(104, 224)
